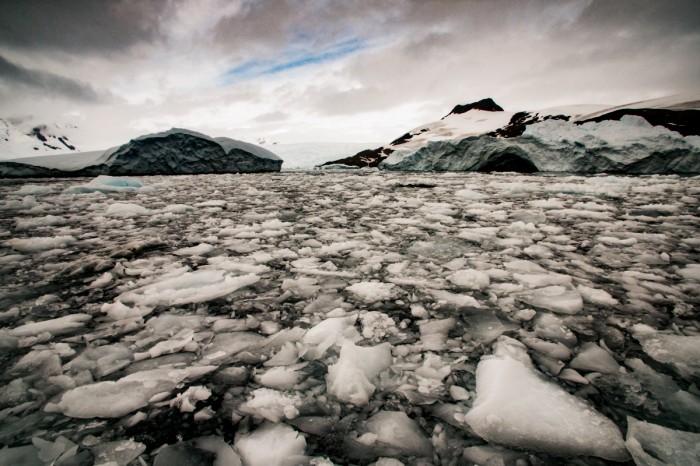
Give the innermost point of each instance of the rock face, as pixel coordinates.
(175, 152)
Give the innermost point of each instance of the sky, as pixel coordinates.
(329, 70)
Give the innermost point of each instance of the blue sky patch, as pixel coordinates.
(295, 59)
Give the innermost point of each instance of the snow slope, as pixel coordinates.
(27, 139)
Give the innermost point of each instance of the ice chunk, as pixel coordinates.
(654, 445)
(27, 455)
(470, 279)
(271, 445)
(548, 348)
(517, 407)
(377, 325)
(36, 222)
(281, 377)
(329, 332)
(56, 326)
(393, 433)
(101, 360)
(538, 280)
(190, 287)
(433, 333)
(433, 368)
(199, 250)
(116, 399)
(454, 299)
(471, 195)
(592, 357)
(199, 451)
(596, 296)
(120, 452)
(108, 184)
(119, 209)
(552, 327)
(690, 272)
(349, 379)
(372, 292)
(682, 352)
(60, 451)
(271, 404)
(40, 243)
(186, 400)
(561, 299)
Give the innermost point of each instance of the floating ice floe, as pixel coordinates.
(350, 379)
(517, 407)
(38, 244)
(108, 184)
(654, 445)
(116, 399)
(190, 287)
(681, 352)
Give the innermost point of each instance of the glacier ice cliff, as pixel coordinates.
(630, 145)
(173, 152)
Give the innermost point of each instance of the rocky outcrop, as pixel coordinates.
(369, 158)
(175, 152)
(630, 146)
(487, 105)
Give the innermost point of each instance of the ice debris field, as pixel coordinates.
(350, 318)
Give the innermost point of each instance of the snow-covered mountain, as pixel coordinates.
(24, 138)
(173, 152)
(483, 137)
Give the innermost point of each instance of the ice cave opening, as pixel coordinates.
(508, 162)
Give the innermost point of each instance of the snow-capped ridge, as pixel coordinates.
(24, 138)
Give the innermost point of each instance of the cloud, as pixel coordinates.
(334, 70)
(80, 26)
(46, 83)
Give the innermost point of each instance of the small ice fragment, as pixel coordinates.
(271, 445)
(564, 300)
(596, 296)
(349, 379)
(372, 292)
(470, 279)
(592, 357)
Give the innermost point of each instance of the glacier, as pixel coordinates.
(630, 146)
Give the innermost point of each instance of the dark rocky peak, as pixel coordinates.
(487, 105)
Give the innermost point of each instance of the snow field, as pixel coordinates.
(334, 318)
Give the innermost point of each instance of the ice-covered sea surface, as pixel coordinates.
(350, 318)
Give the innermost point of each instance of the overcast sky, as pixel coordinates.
(330, 70)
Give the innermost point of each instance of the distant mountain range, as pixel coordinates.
(654, 136)
(26, 138)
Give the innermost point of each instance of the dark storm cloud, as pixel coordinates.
(81, 25)
(45, 83)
